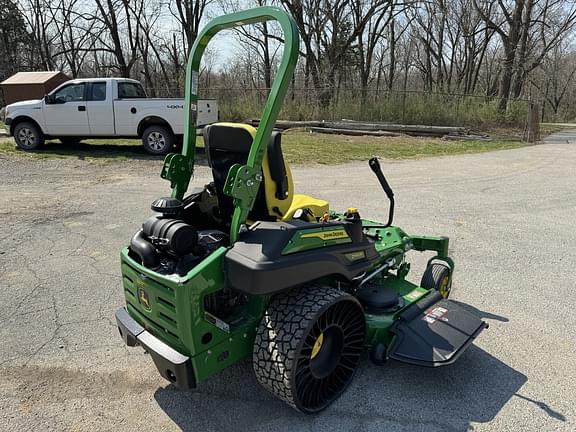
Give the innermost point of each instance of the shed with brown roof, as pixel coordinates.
(31, 85)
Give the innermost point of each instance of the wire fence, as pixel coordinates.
(478, 113)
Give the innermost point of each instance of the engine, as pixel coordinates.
(168, 244)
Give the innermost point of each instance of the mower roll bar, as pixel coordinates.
(179, 168)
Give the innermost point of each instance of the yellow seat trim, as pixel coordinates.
(317, 206)
(293, 202)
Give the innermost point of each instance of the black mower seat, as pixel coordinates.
(228, 144)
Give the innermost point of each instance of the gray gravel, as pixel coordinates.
(510, 216)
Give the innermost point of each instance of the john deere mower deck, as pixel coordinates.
(246, 267)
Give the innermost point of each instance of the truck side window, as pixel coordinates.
(70, 93)
(98, 91)
(128, 90)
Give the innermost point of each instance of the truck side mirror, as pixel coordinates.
(49, 99)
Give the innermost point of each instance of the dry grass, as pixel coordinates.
(299, 147)
(550, 128)
(304, 147)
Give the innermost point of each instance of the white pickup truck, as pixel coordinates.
(103, 108)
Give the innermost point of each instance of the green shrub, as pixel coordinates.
(479, 113)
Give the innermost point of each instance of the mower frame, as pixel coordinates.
(166, 313)
(243, 182)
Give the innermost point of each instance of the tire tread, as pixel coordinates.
(281, 331)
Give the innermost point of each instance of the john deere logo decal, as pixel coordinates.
(327, 235)
(143, 297)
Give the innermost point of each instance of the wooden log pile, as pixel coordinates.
(352, 132)
(357, 128)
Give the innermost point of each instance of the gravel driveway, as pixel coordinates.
(510, 216)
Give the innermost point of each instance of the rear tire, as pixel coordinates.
(437, 277)
(158, 140)
(308, 346)
(28, 136)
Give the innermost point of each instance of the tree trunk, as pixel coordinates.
(506, 78)
(510, 43)
(520, 76)
(266, 58)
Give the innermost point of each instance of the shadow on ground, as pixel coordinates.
(104, 150)
(391, 397)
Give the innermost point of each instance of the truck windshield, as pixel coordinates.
(128, 90)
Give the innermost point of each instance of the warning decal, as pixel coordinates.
(194, 83)
(435, 313)
(217, 322)
(413, 295)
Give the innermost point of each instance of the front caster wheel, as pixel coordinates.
(308, 346)
(377, 354)
(437, 277)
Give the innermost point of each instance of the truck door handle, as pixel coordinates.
(81, 107)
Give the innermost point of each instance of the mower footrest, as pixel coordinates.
(434, 332)
(172, 365)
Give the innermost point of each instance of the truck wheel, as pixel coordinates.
(179, 141)
(308, 345)
(28, 136)
(437, 276)
(158, 140)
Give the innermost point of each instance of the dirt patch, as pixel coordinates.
(35, 385)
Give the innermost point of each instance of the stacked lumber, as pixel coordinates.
(352, 127)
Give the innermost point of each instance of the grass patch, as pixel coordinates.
(304, 147)
(559, 125)
(299, 147)
(550, 128)
(95, 150)
(104, 150)
(476, 112)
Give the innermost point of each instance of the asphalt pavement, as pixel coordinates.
(510, 216)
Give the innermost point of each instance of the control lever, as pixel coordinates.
(375, 166)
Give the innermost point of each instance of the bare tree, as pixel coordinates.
(556, 77)
(515, 21)
(503, 48)
(369, 40)
(74, 34)
(121, 37)
(15, 41)
(189, 13)
(35, 12)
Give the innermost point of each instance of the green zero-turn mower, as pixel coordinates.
(246, 267)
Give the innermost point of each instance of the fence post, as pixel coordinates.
(404, 107)
(533, 123)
